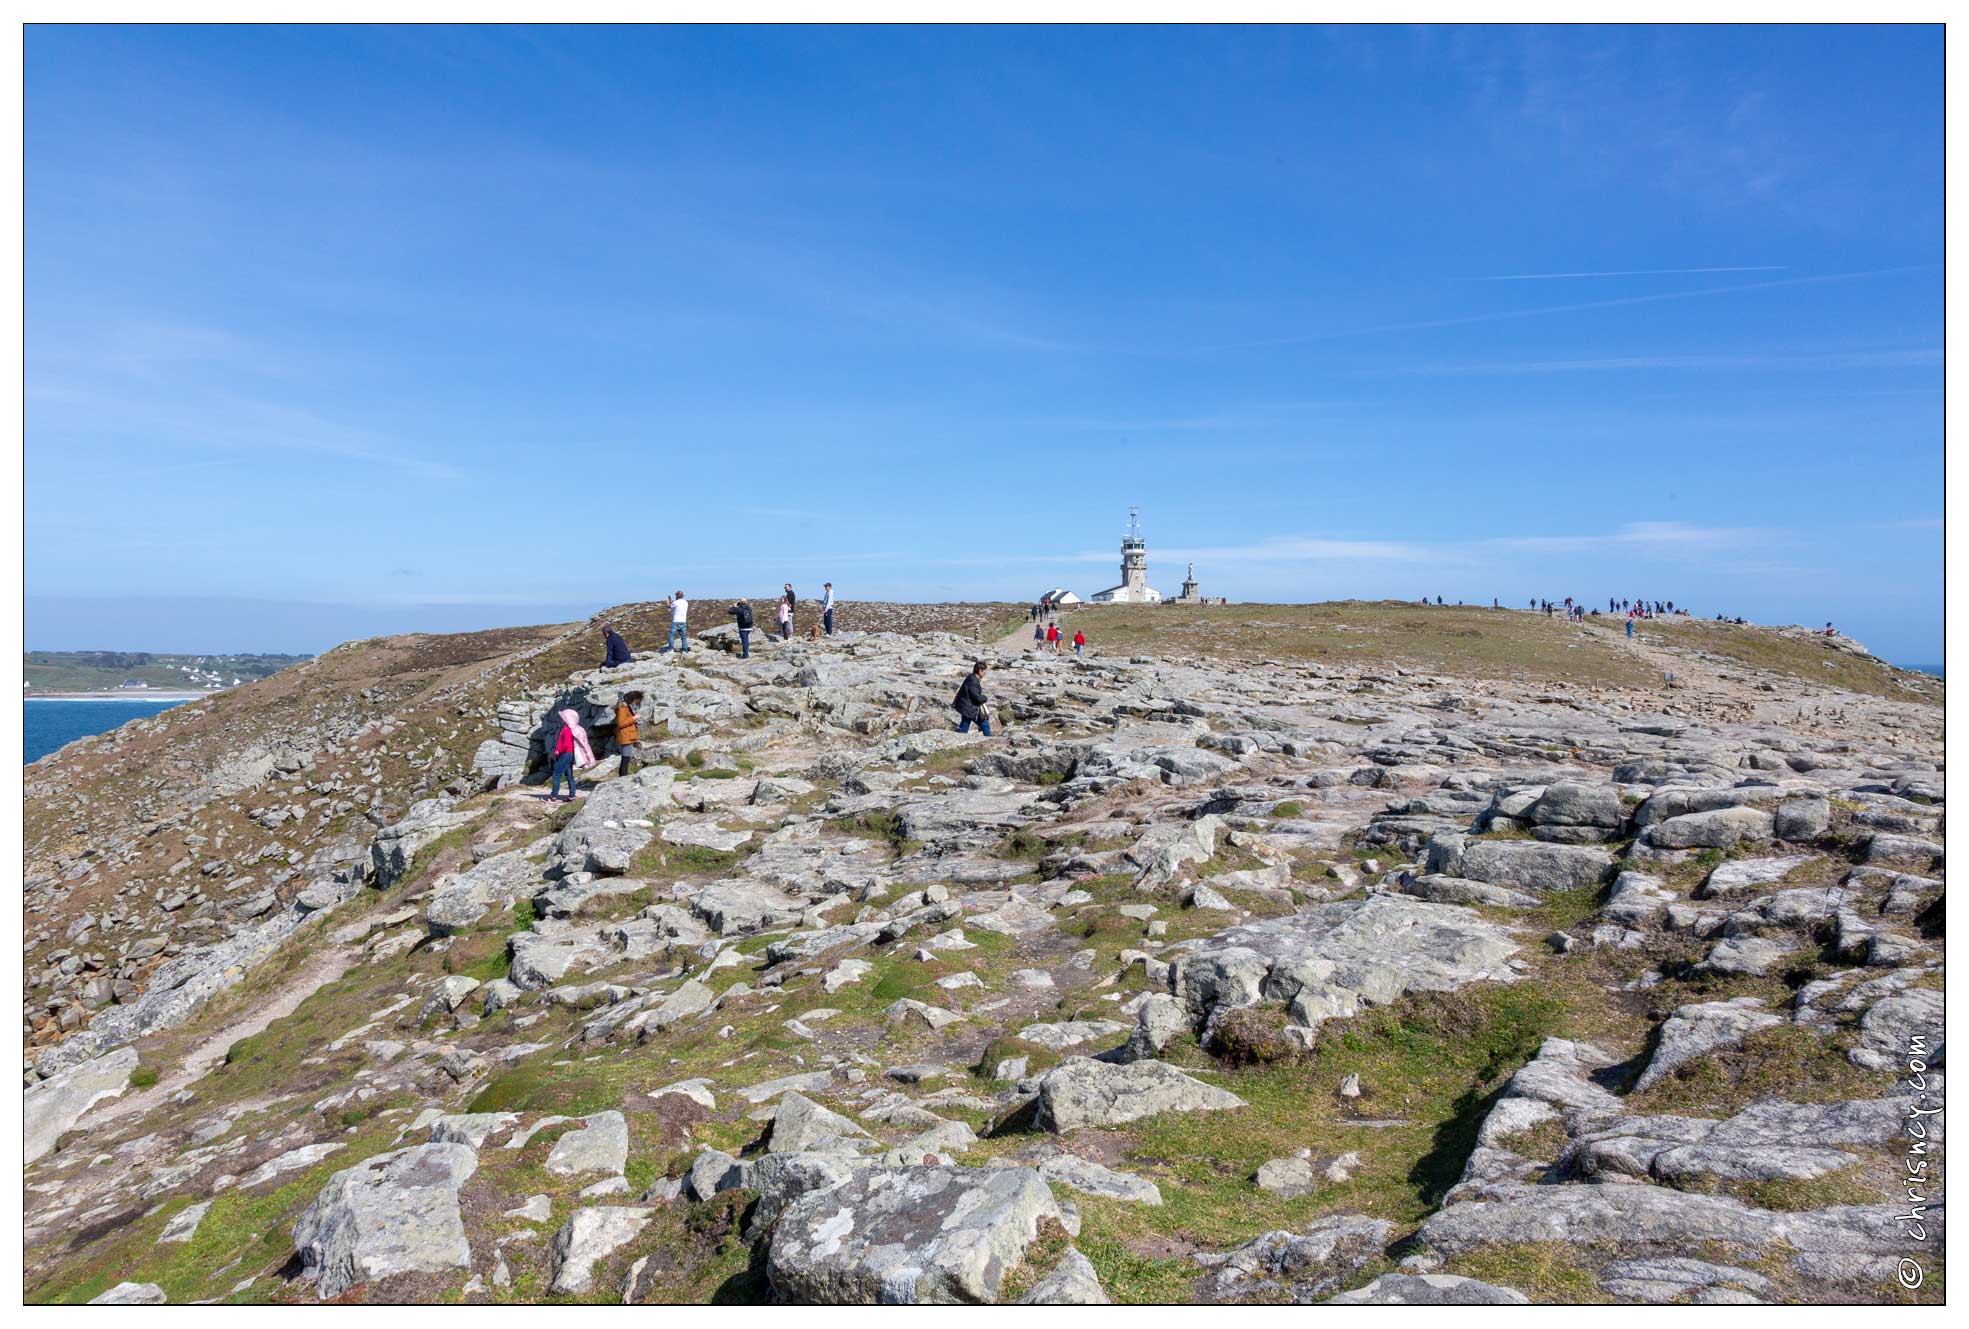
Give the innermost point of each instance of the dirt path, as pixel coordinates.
(320, 970)
(1020, 639)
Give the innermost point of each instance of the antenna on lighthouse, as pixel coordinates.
(1134, 523)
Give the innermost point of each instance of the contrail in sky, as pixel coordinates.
(1637, 272)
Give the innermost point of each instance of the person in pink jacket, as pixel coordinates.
(571, 752)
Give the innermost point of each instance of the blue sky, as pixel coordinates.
(473, 326)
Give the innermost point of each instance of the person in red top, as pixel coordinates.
(1053, 637)
(1079, 640)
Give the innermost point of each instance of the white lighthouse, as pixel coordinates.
(1134, 588)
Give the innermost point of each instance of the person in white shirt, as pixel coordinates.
(827, 606)
(680, 610)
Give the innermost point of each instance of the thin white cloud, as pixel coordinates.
(1541, 310)
(1914, 358)
(1653, 536)
(1630, 272)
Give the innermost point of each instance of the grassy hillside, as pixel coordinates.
(1482, 643)
(1475, 642)
(1800, 655)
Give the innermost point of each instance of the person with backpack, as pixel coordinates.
(626, 731)
(680, 612)
(970, 702)
(741, 612)
(827, 606)
(571, 753)
(615, 651)
(1079, 641)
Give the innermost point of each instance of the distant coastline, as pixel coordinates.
(124, 694)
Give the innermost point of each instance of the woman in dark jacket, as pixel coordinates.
(970, 702)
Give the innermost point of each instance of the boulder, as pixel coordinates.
(471, 1128)
(50, 1107)
(1751, 956)
(463, 898)
(801, 1125)
(1081, 1092)
(1573, 803)
(614, 823)
(1843, 1245)
(1767, 1141)
(1300, 1268)
(1071, 1033)
(1743, 874)
(1701, 1028)
(184, 1224)
(1073, 1282)
(1802, 820)
(590, 1235)
(1161, 851)
(1534, 866)
(1720, 829)
(601, 1145)
(910, 1235)
(1429, 1290)
(781, 1179)
(392, 1214)
(1326, 961)
(131, 1294)
(1091, 1178)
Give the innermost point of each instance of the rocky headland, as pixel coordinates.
(1366, 954)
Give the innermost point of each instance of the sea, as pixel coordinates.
(50, 722)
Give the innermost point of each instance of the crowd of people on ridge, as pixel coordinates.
(574, 749)
(1575, 611)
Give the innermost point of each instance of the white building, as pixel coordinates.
(1134, 588)
(1059, 595)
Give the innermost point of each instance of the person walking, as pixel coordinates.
(626, 731)
(1079, 641)
(571, 753)
(786, 620)
(680, 612)
(1630, 629)
(615, 651)
(1038, 634)
(1053, 637)
(827, 606)
(970, 702)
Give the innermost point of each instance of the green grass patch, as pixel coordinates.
(882, 825)
(1545, 1271)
